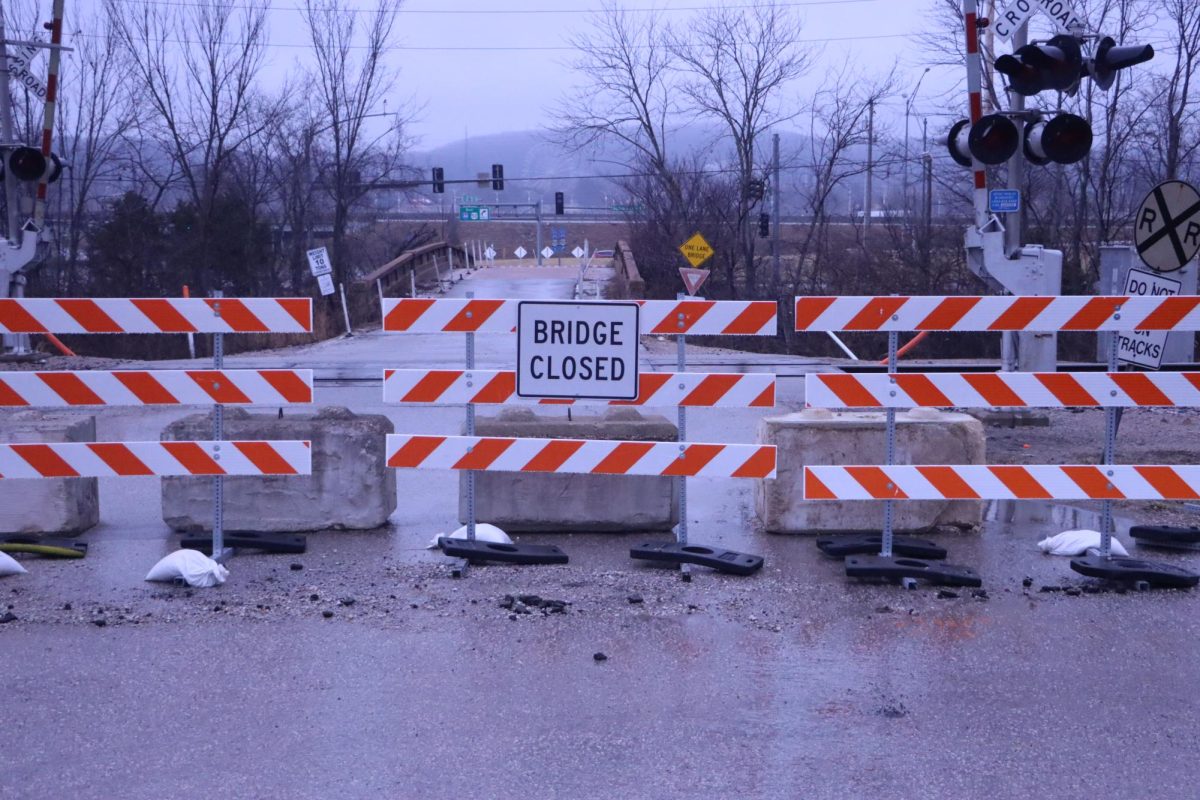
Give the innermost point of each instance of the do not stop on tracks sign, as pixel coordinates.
(1167, 228)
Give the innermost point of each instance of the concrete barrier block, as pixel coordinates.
(52, 505)
(351, 486)
(517, 501)
(819, 436)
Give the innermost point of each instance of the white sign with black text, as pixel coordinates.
(319, 263)
(1145, 348)
(577, 350)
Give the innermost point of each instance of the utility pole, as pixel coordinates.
(1010, 342)
(776, 229)
(870, 165)
(6, 131)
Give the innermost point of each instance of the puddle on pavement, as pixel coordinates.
(1059, 516)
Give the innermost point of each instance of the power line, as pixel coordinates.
(526, 11)
(492, 48)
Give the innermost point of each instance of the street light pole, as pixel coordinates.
(907, 112)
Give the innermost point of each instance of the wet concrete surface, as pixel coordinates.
(361, 669)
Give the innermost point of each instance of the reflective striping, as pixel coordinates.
(976, 313)
(697, 317)
(581, 456)
(496, 387)
(131, 459)
(1003, 389)
(158, 387)
(156, 315)
(1002, 482)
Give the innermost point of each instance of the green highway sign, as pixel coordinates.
(474, 213)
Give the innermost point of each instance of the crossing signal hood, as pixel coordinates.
(992, 140)
(28, 164)
(1057, 64)
(1110, 58)
(1064, 139)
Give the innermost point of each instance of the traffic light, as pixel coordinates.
(559, 203)
(1056, 64)
(764, 225)
(992, 140)
(1109, 58)
(1064, 139)
(755, 189)
(498, 177)
(439, 180)
(28, 164)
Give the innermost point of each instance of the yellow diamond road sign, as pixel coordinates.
(696, 250)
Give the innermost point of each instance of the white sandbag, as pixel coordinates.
(483, 532)
(10, 566)
(192, 566)
(1076, 543)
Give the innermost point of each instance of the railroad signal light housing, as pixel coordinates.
(1110, 58)
(498, 177)
(559, 204)
(28, 164)
(439, 180)
(1056, 64)
(992, 140)
(1064, 139)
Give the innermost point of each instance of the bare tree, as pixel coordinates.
(625, 98)
(1174, 98)
(351, 79)
(738, 62)
(93, 117)
(195, 66)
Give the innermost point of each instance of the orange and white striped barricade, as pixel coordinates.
(681, 389)
(1111, 390)
(218, 458)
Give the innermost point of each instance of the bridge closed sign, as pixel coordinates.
(573, 350)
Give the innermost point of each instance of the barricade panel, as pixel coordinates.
(156, 315)
(156, 387)
(1002, 482)
(994, 313)
(581, 456)
(692, 317)
(130, 459)
(1007, 389)
(497, 387)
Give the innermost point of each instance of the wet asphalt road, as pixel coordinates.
(369, 672)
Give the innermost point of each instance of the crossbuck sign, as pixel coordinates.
(577, 350)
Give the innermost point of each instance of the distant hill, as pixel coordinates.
(535, 166)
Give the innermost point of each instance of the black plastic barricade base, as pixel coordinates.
(475, 551)
(52, 547)
(1166, 536)
(1135, 570)
(267, 542)
(867, 544)
(911, 568)
(721, 560)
